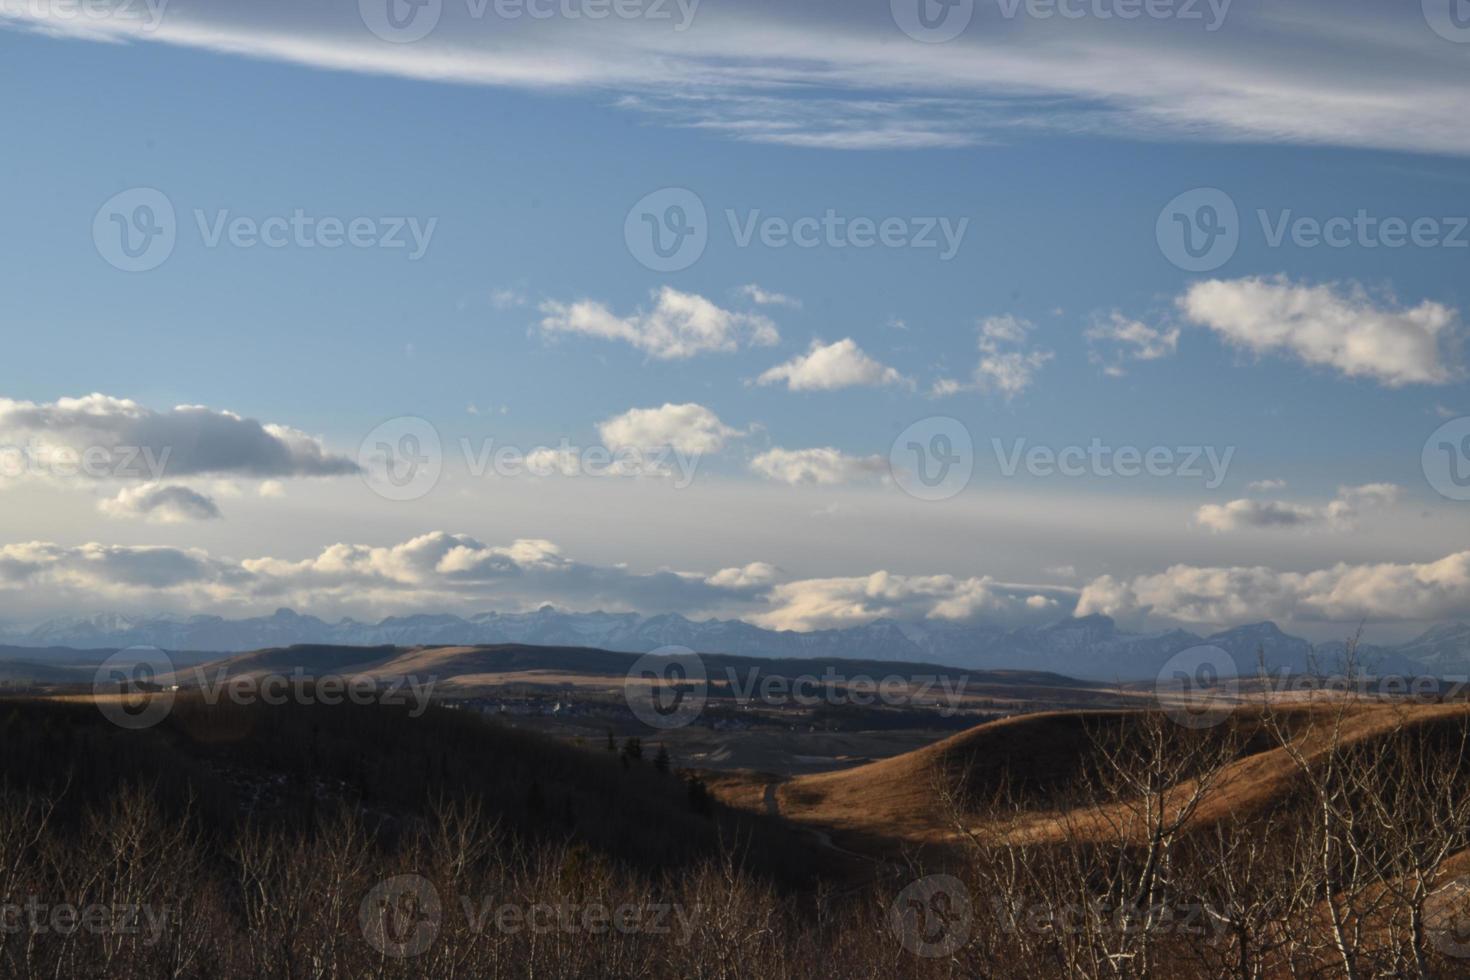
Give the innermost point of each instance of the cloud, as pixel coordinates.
(680, 325)
(832, 366)
(437, 569)
(687, 428)
(161, 504)
(1344, 593)
(1338, 514)
(100, 437)
(1263, 486)
(820, 466)
(757, 575)
(1115, 340)
(1366, 75)
(762, 297)
(1007, 365)
(1337, 326)
(508, 298)
(826, 603)
(271, 489)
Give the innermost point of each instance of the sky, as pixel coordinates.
(805, 314)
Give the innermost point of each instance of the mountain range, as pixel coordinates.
(1090, 647)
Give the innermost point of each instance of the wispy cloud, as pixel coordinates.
(837, 76)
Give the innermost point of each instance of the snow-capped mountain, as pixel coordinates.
(1089, 647)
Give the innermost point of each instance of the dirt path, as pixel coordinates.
(773, 809)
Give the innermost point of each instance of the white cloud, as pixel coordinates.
(1336, 326)
(756, 575)
(1344, 593)
(1007, 365)
(436, 569)
(1265, 486)
(101, 437)
(1116, 340)
(160, 504)
(762, 297)
(687, 428)
(826, 603)
(508, 298)
(821, 466)
(1362, 75)
(1338, 514)
(680, 325)
(271, 489)
(832, 366)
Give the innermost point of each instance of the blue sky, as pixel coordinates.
(523, 144)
